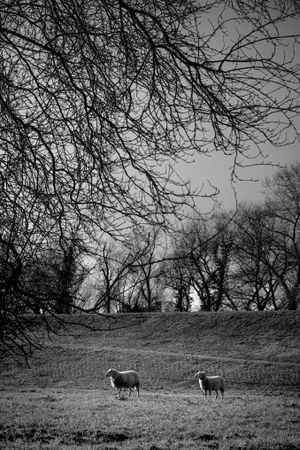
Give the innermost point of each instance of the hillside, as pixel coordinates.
(253, 348)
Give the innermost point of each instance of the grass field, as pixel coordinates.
(64, 401)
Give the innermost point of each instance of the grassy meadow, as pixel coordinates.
(64, 401)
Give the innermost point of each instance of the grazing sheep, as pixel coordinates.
(209, 384)
(124, 380)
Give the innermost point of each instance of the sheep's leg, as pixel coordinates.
(217, 393)
(202, 388)
(129, 394)
(138, 389)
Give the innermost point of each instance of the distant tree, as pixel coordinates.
(206, 251)
(283, 207)
(36, 283)
(113, 268)
(223, 249)
(128, 275)
(267, 263)
(176, 277)
(67, 272)
(252, 281)
(147, 270)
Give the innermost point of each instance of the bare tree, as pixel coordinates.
(128, 274)
(253, 284)
(205, 250)
(269, 243)
(146, 273)
(58, 274)
(100, 100)
(283, 207)
(113, 269)
(176, 276)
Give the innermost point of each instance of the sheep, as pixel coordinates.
(209, 384)
(124, 380)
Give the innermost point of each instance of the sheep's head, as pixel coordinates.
(111, 373)
(200, 375)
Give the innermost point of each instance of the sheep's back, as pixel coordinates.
(213, 381)
(129, 378)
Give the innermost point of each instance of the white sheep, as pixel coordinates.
(209, 384)
(124, 380)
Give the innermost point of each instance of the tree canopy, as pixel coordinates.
(100, 99)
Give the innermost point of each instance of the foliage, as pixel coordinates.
(45, 285)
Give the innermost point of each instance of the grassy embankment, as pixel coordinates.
(63, 401)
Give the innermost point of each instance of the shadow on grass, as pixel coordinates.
(47, 434)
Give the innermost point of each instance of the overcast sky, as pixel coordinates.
(217, 170)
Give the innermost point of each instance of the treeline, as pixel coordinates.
(243, 260)
(248, 260)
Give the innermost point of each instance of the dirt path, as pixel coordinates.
(179, 354)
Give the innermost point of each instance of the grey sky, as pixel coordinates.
(216, 169)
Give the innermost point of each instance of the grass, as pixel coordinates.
(63, 401)
(68, 419)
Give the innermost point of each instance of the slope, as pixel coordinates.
(250, 349)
